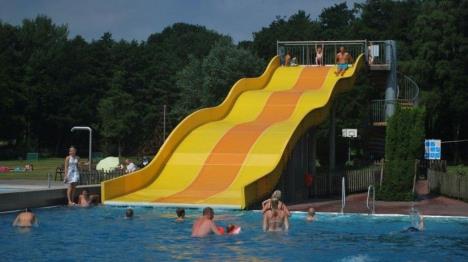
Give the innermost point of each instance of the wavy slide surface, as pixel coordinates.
(232, 155)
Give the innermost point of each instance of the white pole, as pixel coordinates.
(87, 128)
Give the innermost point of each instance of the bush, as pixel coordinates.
(403, 144)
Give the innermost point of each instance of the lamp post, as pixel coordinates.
(87, 128)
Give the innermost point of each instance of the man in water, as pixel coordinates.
(180, 215)
(343, 58)
(310, 215)
(419, 227)
(275, 219)
(205, 225)
(25, 219)
(129, 213)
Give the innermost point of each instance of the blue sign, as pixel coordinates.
(432, 149)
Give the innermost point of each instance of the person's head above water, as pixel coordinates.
(180, 212)
(129, 213)
(276, 194)
(208, 212)
(311, 212)
(85, 192)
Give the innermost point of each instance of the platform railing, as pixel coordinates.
(305, 52)
(343, 194)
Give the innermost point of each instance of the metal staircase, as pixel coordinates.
(407, 97)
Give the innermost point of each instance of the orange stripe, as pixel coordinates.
(225, 160)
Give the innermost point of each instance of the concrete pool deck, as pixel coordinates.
(356, 203)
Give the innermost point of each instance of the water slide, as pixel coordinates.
(232, 155)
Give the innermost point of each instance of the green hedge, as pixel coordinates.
(404, 143)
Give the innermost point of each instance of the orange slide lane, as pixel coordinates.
(225, 160)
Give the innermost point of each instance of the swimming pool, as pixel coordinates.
(101, 233)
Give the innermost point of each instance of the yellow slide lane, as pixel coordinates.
(231, 155)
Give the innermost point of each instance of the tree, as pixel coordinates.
(403, 145)
(117, 115)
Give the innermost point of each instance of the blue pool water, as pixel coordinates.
(101, 233)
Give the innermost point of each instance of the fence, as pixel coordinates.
(359, 180)
(448, 184)
(90, 177)
(305, 52)
(356, 181)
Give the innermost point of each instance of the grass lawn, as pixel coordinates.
(41, 168)
(456, 169)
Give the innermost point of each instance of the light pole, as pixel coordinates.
(90, 141)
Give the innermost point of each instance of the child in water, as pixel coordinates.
(180, 215)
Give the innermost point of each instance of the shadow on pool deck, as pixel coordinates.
(356, 203)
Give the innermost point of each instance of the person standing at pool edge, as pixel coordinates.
(343, 58)
(72, 176)
(205, 225)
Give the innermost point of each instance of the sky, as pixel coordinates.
(137, 19)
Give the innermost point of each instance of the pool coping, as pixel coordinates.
(10, 201)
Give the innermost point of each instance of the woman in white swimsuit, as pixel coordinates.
(72, 176)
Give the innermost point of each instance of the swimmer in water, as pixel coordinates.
(310, 215)
(266, 205)
(205, 225)
(275, 219)
(129, 213)
(232, 229)
(25, 219)
(419, 227)
(180, 215)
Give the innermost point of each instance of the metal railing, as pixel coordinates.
(343, 194)
(371, 209)
(407, 94)
(378, 53)
(305, 52)
(408, 90)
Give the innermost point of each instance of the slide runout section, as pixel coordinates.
(249, 164)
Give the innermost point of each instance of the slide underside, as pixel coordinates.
(232, 155)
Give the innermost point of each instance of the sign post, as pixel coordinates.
(349, 133)
(432, 149)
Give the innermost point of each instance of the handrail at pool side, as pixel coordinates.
(373, 199)
(343, 194)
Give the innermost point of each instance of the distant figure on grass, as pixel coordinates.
(205, 225)
(266, 205)
(72, 175)
(25, 219)
(128, 213)
(180, 215)
(343, 58)
(131, 167)
(319, 56)
(275, 219)
(310, 215)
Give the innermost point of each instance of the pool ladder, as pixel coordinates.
(371, 208)
(343, 194)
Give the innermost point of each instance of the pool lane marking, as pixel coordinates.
(225, 160)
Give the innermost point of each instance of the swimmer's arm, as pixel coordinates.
(286, 210)
(265, 205)
(15, 222)
(286, 223)
(214, 228)
(265, 223)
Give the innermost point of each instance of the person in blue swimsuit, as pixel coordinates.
(342, 59)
